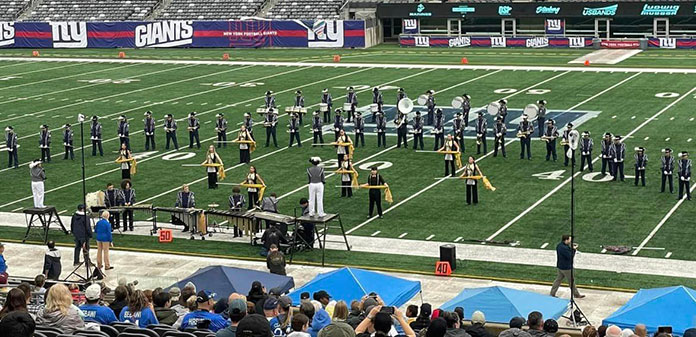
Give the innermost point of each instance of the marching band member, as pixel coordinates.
(346, 178)
(430, 103)
(439, 130)
(237, 202)
(400, 94)
(123, 131)
(244, 148)
(45, 143)
(352, 98)
(127, 195)
(586, 145)
(471, 169)
(213, 158)
(326, 99)
(38, 176)
(499, 130)
(617, 151)
(123, 154)
(541, 117)
(684, 175)
(641, 161)
(550, 136)
(317, 128)
(299, 103)
(667, 170)
(418, 131)
(253, 192)
(249, 124)
(315, 175)
(566, 144)
(294, 128)
(149, 130)
(458, 125)
(338, 123)
(221, 130)
(377, 99)
(112, 198)
(502, 111)
(449, 145)
(524, 130)
(606, 154)
(270, 122)
(95, 134)
(375, 179)
(68, 142)
(343, 150)
(466, 108)
(269, 100)
(170, 131)
(359, 126)
(193, 125)
(381, 128)
(401, 123)
(11, 144)
(481, 130)
(185, 199)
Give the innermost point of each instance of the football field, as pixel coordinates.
(531, 203)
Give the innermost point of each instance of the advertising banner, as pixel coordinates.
(620, 44)
(494, 41)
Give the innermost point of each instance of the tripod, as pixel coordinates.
(89, 276)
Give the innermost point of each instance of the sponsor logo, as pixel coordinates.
(420, 11)
(7, 33)
(537, 42)
(422, 41)
(504, 10)
(576, 42)
(554, 26)
(69, 34)
(164, 34)
(602, 11)
(668, 43)
(458, 42)
(463, 10)
(325, 34)
(659, 10)
(411, 24)
(548, 10)
(498, 41)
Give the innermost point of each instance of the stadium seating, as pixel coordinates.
(210, 9)
(99, 10)
(305, 9)
(10, 10)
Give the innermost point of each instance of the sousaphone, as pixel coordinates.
(405, 105)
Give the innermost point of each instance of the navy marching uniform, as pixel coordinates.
(294, 128)
(381, 129)
(586, 145)
(123, 131)
(45, 144)
(606, 155)
(617, 151)
(352, 98)
(95, 134)
(149, 131)
(502, 111)
(685, 175)
(541, 117)
(170, 131)
(375, 179)
(430, 103)
(401, 123)
(377, 99)
(112, 198)
(641, 161)
(326, 99)
(299, 103)
(271, 123)
(11, 144)
(127, 196)
(481, 130)
(185, 199)
(337, 124)
(466, 108)
(439, 130)
(221, 130)
(566, 146)
(400, 94)
(269, 101)
(667, 170)
(524, 132)
(193, 125)
(317, 128)
(499, 130)
(237, 203)
(249, 124)
(418, 131)
(550, 136)
(458, 125)
(359, 126)
(68, 142)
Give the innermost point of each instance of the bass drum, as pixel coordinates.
(457, 102)
(532, 110)
(493, 108)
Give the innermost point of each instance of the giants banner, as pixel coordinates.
(670, 43)
(554, 26)
(494, 41)
(166, 34)
(410, 26)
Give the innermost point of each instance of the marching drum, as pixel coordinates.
(347, 106)
(457, 102)
(323, 107)
(374, 107)
(422, 99)
(493, 108)
(531, 110)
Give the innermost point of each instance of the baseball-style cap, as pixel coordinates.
(270, 304)
(321, 294)
(254, 325)
(285, 302)
(205, 296)
(93, 292)
(304, 296)
(174, 293)
(237, 306)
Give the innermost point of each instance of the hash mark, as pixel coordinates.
(613, 117)
(402, 235)
(459, 238)
(546, 244)
(430, 237)
(668, 255)
(688, 140)
(375, 233)
(189, 103)
(667, 139)
(17, 209)
(646, 138)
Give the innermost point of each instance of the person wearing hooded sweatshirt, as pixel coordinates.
(319, 321)
(81, 231)
(423, 320)
(52, 267)
(477, 329)
(280, 324)
(163, 311)
(453, 324)
(515, 330)
(257, 295)
(59, 311)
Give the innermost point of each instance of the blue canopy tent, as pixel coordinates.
(349, 284)
(672, 306)
(226, 280)
(501, 304)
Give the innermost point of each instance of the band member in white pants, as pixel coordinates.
(38, 175)
(315, 174)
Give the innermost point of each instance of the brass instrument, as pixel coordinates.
(564, 142)
(478, 138)
(546, 138)
(523, 134)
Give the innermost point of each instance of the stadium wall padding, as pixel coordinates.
(493, 41)
(187, 34)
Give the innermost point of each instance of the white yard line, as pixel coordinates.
(15, 64)
(64, 77)
(557, 188)
(42, 70)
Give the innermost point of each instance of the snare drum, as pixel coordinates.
(323, 107)
(374, 107)
(347, 106)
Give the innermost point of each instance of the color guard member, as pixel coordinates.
(341, 151)
(375, 179)
(450, 145)
(253, 192)
(212, 158)
(346, 178)
(123, 154)
(471, 169)
(244, 148)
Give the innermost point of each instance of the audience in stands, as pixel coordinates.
(380, 323)
(92, 310)
(257, 295)
(59, 311)
(515, 329)
(551, 327)
(254, 325)
(163, 311)
(17, 323)
(39, 284)
(275, 261)
(477, 329)
(236, 310)
(613, 331)
(535, 322)
(642, 331)
(436, 328)
(138, 311)
(120, 300)
(300, 325)
(411, 313)
(3, 265)
(202, 317)
(454, 328)
(590, 331)
(280, 324)
(52, 266)
(320, 319)
(423, 320)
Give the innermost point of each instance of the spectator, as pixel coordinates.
(423, 320)
(477, 329)
(602, 331)
(551, 327)
(75, 292)
(280, 324)
(104, 241)
(257, 295)
(59, 311)
(626, 332)
(138, 311)
(15, 301)
(275, 261)
(300, 325)
(270, 309)
(186, 293)
(338, 326)
(17, 324)
(436, 328)
(411, 313)
(319, 321)
(81, 231)
(308, 310)
(3, 265)
(340, 312)
(39, 283)
(323, 297)
(220, 307)
(354, 316)
(304, 296)
(254, 325)
(93, 311)
(535, 322)
(453, 325)
(236, 310)
(52, 266)
(175, 298)
(640, 330)
(203, 317)
(251, 308)
(163, 311)
(613, 331)
(148, 295)
(460, 312)
(515, 330)
(380, 323)
(120, 300)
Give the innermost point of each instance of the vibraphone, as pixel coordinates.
(243, 219)
(193, 218)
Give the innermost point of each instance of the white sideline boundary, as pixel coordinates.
(367, 65)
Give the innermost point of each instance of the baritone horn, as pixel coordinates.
(405, 105)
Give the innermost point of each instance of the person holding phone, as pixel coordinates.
(565, 253)
(379, 322)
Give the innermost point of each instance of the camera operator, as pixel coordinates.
(379, 323)
(564, 262)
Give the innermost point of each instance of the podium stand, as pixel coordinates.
(42, 218)
(326, 221)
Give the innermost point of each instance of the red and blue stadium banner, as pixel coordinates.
(410, 26)
(493, 41)
(554, 26)
(671, 43)
(182, 33)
